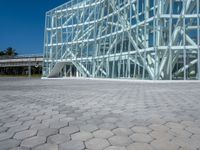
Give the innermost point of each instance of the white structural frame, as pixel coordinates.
(139, 39)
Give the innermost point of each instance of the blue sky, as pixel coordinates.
(22, 24)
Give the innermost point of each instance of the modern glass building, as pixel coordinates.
(138, 39)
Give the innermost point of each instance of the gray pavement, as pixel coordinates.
(98, 115)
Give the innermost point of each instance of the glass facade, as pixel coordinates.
(138, 39)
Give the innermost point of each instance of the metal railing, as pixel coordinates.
(22, 56)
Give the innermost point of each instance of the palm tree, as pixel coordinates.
(10, 52)
(2, 53)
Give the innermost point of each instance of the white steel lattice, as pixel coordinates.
(140, 39)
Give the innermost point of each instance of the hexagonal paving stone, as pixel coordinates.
(164, 145)
(187, 143)
(125, 124)
(12, 124)
(39, 126)
(8, 119)
(140, 146)
(25, 134)
(175, 125)
(50, 121)
(58, 139)
(31, 122)
(158, 127)
(20, 148)
(42, 117)
(180, 132)
(69, 130)
(88, 128)
(3, 129)
(46, 146)
(59, 116)
(6, 135)
(33, 141)
(82, 136)
(195, 137)
(27, 118)
(197, 121)
(171, 119)
(72, 145)
(182, 142)
(157, 120)
(190, 123)
(76, 123)
(94, 121)
(141, 129)
(59, 124)
(115, 148)
(110, 119)
(122, 131)
(120, 140)
(96, 144)
(18, 128)
(161, 135)
(107, 126)
(194, 130)
(68, 119)
(10, 143)
(103, 134)
(139, 122)
(140, 137)
(47, 132)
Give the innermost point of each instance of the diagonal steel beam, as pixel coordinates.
(125, 26)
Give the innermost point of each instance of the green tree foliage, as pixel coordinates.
(2, 53)
(8, 52)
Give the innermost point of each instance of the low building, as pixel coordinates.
(21, 65)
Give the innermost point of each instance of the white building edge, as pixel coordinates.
(139, 39)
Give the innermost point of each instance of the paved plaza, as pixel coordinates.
(99, 115)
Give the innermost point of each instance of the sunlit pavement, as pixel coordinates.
(99, 114)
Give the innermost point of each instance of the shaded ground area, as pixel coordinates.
(108, 115)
